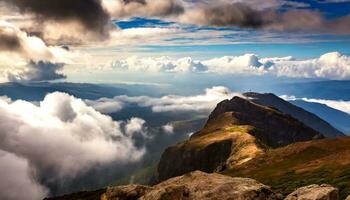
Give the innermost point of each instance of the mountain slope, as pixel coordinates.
(337, 118)
(302, 115)
(237, 130)
(324, 161)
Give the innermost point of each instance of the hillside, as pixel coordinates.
(302, 115)
(237, 131)
(324, 161)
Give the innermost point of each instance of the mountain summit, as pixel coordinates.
(237, 131)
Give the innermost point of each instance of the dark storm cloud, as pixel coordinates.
(39, 71)
(9, 42)
(233, 15)
(241, 15)
(89, 13)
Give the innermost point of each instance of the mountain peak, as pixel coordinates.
(237, 131)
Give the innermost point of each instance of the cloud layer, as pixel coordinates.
(331, 65)
(202, 103)
(343, 106)
(60, 139)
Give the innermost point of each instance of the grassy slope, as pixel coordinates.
(300, 164)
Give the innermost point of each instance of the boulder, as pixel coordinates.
(314, 192)
(200, 185)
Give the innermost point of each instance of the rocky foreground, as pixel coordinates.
(198, 185)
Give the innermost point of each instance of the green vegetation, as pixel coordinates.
(314, 162)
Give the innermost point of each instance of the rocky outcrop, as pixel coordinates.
(237, 131)
(314, 192)
(193, 186)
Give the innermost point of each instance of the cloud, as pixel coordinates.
(24, 57)
(88, 13)
(202, 103)
(245, 64)
(168, 129)
(143, 8)
(343, 106)
(244, 15)
(63, 138)
(333, 65)
(41, 71)
(16, 180)
(161, 64)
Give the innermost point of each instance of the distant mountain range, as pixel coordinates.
(299, 113)
(337, 118)
(37, 91)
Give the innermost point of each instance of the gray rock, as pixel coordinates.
(200, 185)
(314, 192)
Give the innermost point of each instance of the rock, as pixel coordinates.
(192, 186)
(348, 198)
(200, 185)
(128, 192)
(314, 192)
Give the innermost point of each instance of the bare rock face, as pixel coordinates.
(192, 186)
(128, 192)
(314, 192)
(200, 185)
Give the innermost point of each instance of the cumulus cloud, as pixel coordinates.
(16, 180)
(161, 64)
(343, 106)
(202, 103)
(168, 129)
(62, 138)
(24, 57)
(333, 65)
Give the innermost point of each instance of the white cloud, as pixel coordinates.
(136, 125)
(172, 103)
(331, 65)
(160, 64)
(168, 129)
(28, 58)
(245, 64)
(343, 106)
(17, 182)
(62, 137)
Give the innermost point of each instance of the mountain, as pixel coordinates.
(302, 115)
(36, 91)
(324, 161)
(337, 118)
(328, 89)
(237, 131)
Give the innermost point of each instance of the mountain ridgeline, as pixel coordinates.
(237, 131)
(302, 115)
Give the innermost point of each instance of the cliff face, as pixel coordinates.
(237, 131)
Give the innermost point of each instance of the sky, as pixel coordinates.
(78, 41)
